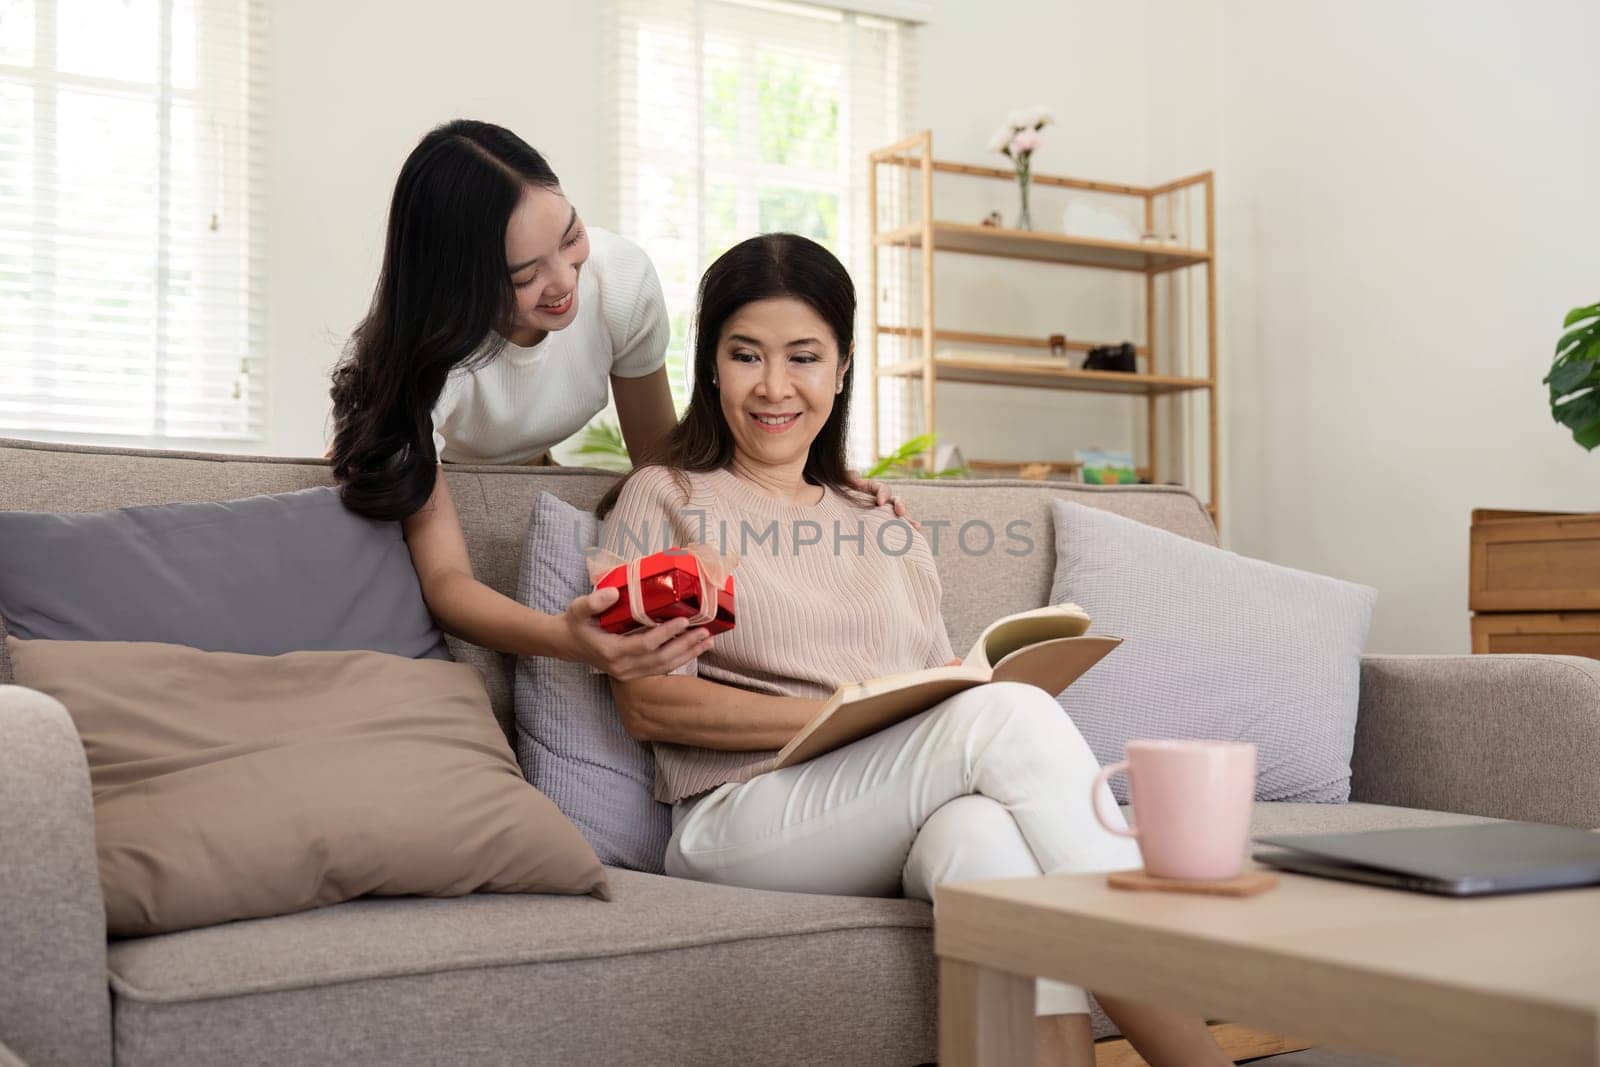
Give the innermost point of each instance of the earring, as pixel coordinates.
(839, 388)
(713, 381)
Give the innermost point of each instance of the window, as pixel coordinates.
(132, 220)
(739, 117)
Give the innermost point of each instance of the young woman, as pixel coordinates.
(991, 783)
(499, 322)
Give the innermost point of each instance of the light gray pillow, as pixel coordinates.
(1217, 646)
(264, 575)
(570, 740)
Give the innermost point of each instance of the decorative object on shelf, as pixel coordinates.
(1035, 472)
(1016, 140)
(1102, 467)
(1112, 357)
(1574, 377)
(993, 218)
(1058, 345)
(980, 355)
(1083, 219)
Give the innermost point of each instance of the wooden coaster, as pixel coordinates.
(1248, 884)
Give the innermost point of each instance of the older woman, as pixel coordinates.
(991, 783)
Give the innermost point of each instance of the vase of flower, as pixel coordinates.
(1017, 140)
(1024, 183)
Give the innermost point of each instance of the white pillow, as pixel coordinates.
(1217, 646)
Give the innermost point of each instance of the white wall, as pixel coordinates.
(355, 86)
(1407, 211)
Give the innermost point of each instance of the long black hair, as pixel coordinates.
(761, 268)
(442, 292)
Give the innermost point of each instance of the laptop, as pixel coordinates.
(1461, 861)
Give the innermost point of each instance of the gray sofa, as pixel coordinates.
(670, 971)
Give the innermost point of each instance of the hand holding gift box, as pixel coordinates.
(694, 583)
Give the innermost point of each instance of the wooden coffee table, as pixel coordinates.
(1426, 979)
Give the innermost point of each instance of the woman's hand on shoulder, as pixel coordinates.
(884, 497)
(658, 650)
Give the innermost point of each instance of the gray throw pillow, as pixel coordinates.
(265, 575)
(570, 739)
(1217, 646)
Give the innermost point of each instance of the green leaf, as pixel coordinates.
(601, 445)
(1580, 412)
(898, 464)
(1576, 337)
(1588, 438)
(1566, 377)
(1578, 314)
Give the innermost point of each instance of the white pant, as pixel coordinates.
(992, 783)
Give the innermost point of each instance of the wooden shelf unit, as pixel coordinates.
(1045, 247)
(1045, 374)
(929, 235)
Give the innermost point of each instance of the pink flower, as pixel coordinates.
(1025, 141)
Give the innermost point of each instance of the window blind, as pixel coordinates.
(738, 117)
(132, 219)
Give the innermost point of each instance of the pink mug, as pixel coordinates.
(1192, 800)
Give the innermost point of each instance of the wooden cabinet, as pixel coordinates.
(1556, 633)
(1534, 582)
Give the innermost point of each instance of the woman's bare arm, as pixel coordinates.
(706, 714)
(644, 413)
(467, 608)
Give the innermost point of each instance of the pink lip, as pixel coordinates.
(783, 427)
(559, 310)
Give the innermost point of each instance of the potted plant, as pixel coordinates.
(908, 461)
(601, 446)
(1574, 377)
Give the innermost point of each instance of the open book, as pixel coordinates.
(1046, 647)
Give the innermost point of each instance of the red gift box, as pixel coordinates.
(669, 585)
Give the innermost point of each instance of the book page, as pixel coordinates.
(1054, 665)
(1005, 635)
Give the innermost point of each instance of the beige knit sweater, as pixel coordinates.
(824, 595)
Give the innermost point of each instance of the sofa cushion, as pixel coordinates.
(669, 971)
(1218, 647)
(493, 503)
(994, 545)
(570, 739)
(262, 575)
(230, 786)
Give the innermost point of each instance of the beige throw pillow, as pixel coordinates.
(230, 786)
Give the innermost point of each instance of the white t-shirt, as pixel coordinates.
(516, 406)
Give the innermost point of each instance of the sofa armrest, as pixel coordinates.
(1511, 736)
(55, 1004)
(9, 1058)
